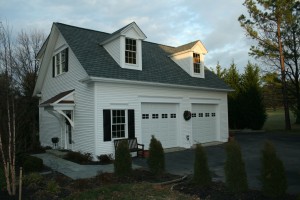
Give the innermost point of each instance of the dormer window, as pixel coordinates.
(196, 60)
(130, 51)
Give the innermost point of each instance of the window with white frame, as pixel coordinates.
(196, 61)
(60, 62)
(130, 51)
(118, 125)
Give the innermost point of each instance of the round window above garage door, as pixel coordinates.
(160, 120)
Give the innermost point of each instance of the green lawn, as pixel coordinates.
(275, 120)
(142, 191)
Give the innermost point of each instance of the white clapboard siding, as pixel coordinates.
(83, 134)
(113, 96)
(113, 48)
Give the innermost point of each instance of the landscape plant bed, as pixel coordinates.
(58, 186)
(218, 191)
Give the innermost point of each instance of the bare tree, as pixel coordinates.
(7, 148)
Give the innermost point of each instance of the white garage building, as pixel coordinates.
(96, 87)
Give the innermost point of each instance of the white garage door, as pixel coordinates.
(160, 120)
(204, 123)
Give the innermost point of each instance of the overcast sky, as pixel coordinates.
(170, 22)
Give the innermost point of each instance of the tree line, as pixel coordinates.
(246, 108)
(275, 27)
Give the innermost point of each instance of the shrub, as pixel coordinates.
(78, 157)
(235, 173)
(33, 181)
(52, 187)
(156, 159)
(272, 173)
(202, 174)
(123, 162)
(32, 164)
(105, 159)
(31, 178)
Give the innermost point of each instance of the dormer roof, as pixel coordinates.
(123, 31)
(190, 47)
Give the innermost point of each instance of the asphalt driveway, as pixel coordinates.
(287, 146)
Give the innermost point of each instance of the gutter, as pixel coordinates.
(123, 81)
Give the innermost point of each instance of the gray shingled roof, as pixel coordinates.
(185, 47)
(57, 97)
(157, 66)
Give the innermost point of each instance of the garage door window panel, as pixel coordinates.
(145, 116)
(154, 116)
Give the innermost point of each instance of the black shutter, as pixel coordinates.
(53, 66)
(131, 127)
(67, 59)
(106, 125)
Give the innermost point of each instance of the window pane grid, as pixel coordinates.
(118, 123)
(130, 51)
(196, 60)
(61, 62)
(173, 115)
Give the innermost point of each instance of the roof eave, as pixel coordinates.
(123, 81)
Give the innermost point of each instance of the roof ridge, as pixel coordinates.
(88, 29)
(110, 34)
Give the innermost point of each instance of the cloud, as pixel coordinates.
(173, 22)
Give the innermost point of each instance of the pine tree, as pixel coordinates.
(267, 22)
(251, 98)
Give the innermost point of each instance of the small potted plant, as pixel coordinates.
(55, 141)
(230, 136)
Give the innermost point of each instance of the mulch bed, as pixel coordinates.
(218, 191)
(68, 186)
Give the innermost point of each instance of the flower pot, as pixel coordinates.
(146, 154)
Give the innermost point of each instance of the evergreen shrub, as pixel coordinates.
(123, 161)
(156, 159)
(33, 164)
(273, 176)
(202, 175)
(235, 173)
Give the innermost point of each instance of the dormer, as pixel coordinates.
(125, 46)
(190, 57)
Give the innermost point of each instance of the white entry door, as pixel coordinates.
(160, 120)
(204, 123)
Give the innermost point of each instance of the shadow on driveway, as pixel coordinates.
(287, 146)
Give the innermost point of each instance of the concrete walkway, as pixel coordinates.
(74, 170)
